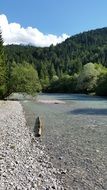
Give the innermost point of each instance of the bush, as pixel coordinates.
(24, 78)
(101, 88)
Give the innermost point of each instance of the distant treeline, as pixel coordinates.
(76, 65)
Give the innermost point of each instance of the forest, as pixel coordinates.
(77, 65)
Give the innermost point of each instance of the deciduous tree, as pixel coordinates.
(25, 79)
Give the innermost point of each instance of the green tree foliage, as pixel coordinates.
(68, 58)
(101, 88)
(52, 71)
(3, 88)
(24, 78)
(44, 75)
(65, 84)
(87, 79)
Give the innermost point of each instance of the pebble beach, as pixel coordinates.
(24, 165)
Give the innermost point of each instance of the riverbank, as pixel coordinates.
(75, 137)
(24, 163)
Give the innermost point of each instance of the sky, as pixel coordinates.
(45, 22)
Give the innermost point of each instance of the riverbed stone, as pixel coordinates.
(24, 163)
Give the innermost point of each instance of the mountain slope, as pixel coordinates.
(67, 57)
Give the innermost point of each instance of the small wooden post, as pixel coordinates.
(38, 128)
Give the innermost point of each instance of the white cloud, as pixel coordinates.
(13, 33)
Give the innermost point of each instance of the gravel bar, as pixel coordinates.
(24, 164)
(75, 137)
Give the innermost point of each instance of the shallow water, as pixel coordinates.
(75, 136)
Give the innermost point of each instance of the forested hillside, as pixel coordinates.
(61, 68)
(67, 57)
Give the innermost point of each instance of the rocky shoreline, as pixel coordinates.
(24, 165)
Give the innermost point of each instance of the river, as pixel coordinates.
(75, 137)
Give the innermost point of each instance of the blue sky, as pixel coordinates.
(56, 17)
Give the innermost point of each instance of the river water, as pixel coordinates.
(75, 137)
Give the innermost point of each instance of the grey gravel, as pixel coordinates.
(75, 137)
(24, 164)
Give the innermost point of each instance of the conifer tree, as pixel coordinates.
(2, 69)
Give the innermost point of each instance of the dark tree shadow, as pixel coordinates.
(89, 111)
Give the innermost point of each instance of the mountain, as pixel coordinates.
(67, 57)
